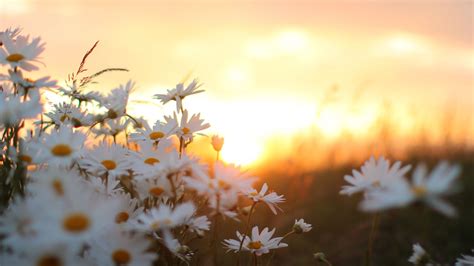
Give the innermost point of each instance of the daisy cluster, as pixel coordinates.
(86, 183)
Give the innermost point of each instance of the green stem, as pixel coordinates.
(373, 231)
(247, 232)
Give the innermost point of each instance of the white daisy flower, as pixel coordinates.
(271, 199)
(179, 93)
(16, 221)
(419, 256)
(428, 188)
(301, 227)
(38, 252)
(153, 188)
(146, 163)
(111, 159)
(164, 217)
(116, 101)
(159, 131)
(61, 147)
(76, 218)
(128, 208)
(10, 33)
(20, 52)
(198, 224)
(27, 84)
(14, 108)
(53, 183)
(374, 174)
(116, 247)
(187, 128)
(65, 113)
(258, 243)
(465, 260)
(111, 127)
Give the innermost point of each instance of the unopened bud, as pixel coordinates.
(246, 210)
(319, 256)
(217, 142)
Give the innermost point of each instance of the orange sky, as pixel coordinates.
(268, 65)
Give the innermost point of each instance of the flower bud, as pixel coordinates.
(217, 142)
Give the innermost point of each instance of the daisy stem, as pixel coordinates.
(217, 156)
(373, 231)
(247, 231)
(255, 259)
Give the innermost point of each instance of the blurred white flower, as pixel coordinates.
(428, 188)
(374, 174)
(65, 113)
(164, 217)
(179, 93)
(419, 256)
(258, 243)
(20, 53)
(116, 247)
(198, 224)
(271, 199)
(116, 101)
(14, 108)
(301, 227)
(465, 260)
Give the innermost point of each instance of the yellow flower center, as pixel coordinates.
(156, 135)
(61, 150)
(223, 185)
(49, 260)
(253, 194)
(63, 118)
(76, 222)
(419, 191)
(25, 158)
(255, 245)
(58, 187)
(121, 257)
(109, 164)
(121, 217)
(15, 58)
(186, 130)
(156, 191)
(151, 161)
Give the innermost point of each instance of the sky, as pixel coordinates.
(272, 68)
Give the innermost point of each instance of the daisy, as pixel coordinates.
(111, 127)
(10, 33)
(198, 224)
(77, 94)
(153, 188)
(149, 157)
(301, 227)
(20, 53)
(187, 128)
(13, 108)
(27, 84)
(128, 208)
(76, 218)
(116, 247)
(374, 174)
(53, 183)
(164, 217)
(179, 93)
(61, 147)
(419, 256)
(271, 199)
(258, 243)
(101, 188)
(39, 252)
(65, 113)
(116, 101)
(159, 131)
(110, 159)
(428, 188)
(465, 260)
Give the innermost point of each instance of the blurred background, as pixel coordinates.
(302, 91)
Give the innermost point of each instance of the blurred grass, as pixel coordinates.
(341, 231)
